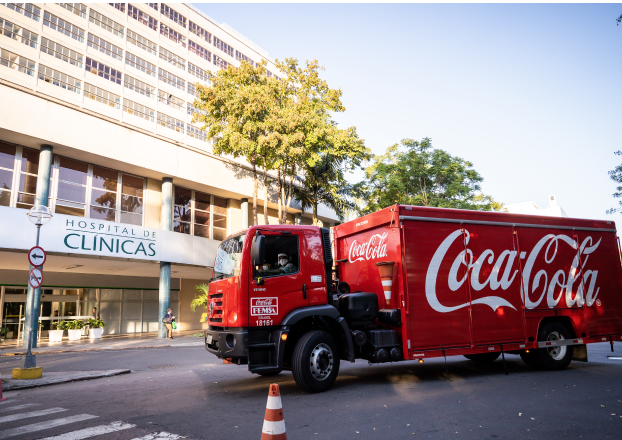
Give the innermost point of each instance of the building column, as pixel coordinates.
(31, 321)
(244, 213)
(166, 224)
(298, 219)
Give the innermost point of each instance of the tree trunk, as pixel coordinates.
(278, 196)
(265, 187)
(289, 193)
(315, 202)
(255, 189)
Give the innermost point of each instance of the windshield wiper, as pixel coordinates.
(219, 277)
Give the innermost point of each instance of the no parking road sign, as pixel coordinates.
(36, 256)
(35, 277)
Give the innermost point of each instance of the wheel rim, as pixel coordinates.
(321, 362)
(557, 353)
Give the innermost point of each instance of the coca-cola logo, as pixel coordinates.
(535, 286)
(264, 302)
(264, 306)
(376, 247)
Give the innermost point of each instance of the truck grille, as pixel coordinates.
(217, 314)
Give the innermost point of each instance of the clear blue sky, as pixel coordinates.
(530, 93)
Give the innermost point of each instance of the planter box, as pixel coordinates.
(74, 335)
(95, 333)
(56, 335)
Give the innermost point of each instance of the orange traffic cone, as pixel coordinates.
(386, 276)
(274, 424)
(1, 398)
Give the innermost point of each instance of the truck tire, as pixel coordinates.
(315, 361)
(483, 357)
(554, 358)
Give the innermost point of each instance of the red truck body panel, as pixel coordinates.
(470, 281)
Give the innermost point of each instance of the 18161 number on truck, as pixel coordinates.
(409, 283)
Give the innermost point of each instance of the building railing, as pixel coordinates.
(100, 95)
(17, 33)
(61, 52)
(59, 79)
(169, 122)
(77, 8)
(138, 110)
(27, 9)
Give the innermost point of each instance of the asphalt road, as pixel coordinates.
(188, 392)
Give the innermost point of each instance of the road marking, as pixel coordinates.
(159, 436)
(92, 432)
(26, 415)
(44, 425)
(27, 405)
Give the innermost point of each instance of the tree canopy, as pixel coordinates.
(414, 173)
(616, 176)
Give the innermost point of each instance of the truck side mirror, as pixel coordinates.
(258, 250)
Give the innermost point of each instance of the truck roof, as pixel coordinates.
(396, 213)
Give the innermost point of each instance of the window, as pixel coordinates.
(192, 90)
(191, 109)
(274, 264)
(241, 57)
(132, 199)
(173, 15)
(268, 73)
(200, 32)
(200, 214)
(143, 18)
(119, 6)
(139, 110)
(153, 5)
(19, 63)
(200, 51)
(104, 188)
(18, 33)
(71, 189)
(7, 169)
(171, 79)
(170, 57)
(61, 52)
(62, 26)
(223, 46)
(229, 257)
(59, 79)
(28, 169)
(139, 86)
(27, 9)
(100, 69)
(196, 133)
(219, 62)
(142, 42)
(199, 73)
(170, 100)
(105, 47)
(77, 8)
(140, 64)
(172, 35)
(170, 122)
(101, 95)
(105, 23)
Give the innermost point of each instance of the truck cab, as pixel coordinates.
(272, 286)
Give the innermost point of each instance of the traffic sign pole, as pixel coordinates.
(29, 360)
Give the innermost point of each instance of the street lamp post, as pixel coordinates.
(39, 215)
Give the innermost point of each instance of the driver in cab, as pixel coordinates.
(283, 267)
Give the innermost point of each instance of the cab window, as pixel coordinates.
(282, 257)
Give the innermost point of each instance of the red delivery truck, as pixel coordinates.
(409, 283)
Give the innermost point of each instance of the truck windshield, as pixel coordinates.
(228, 258)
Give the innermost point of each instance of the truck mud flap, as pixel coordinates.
(580, 353)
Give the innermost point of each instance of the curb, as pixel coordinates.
(23, 353)
(9, 385)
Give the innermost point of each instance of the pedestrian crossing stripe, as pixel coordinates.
(26, 415)
(27, 429)
(92, 432)
(15, 408)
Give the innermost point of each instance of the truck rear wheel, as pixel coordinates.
(315, 361)
(483, 357)
(558, 357)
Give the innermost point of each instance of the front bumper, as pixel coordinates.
(227, 343)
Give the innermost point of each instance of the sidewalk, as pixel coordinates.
(110, 342)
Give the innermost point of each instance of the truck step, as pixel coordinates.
(262, 346)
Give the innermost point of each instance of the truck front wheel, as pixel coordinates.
(315, 361)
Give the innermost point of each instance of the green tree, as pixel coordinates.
(414, 173)
(619, 20)
(201, 296)
(237, 111)
(616, 176)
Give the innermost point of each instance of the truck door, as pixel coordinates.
(282, 288)
(438, 309)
